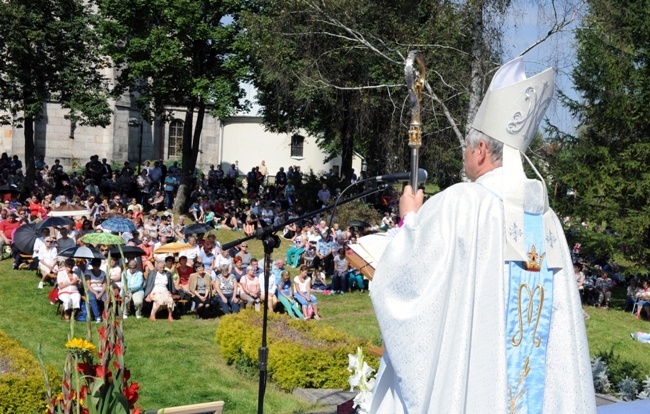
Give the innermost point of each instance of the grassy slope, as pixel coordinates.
(179, 363)
(175, 363)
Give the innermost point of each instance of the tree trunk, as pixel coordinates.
(478, 51)
(347, 152)
(30, 170)
(349, 117)
(191, 143)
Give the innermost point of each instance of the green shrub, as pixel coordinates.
(301, 353)
(22, 386)
(618, 368)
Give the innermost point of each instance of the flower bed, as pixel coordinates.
(301, 354)
(22, 389)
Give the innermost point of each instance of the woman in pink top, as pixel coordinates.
(68, 281)
(250, 288)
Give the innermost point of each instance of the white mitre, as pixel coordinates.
(511, 112)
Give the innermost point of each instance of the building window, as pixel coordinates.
(297, 142)
(175, 138)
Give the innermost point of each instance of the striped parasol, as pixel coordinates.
(119, 225)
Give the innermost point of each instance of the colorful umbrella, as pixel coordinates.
(119, 225)
(175, 247)
(102, 238)
(82, 252)
(68, 210)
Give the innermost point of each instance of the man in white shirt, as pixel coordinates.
(47, 261)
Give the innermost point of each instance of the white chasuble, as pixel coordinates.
(449, 308)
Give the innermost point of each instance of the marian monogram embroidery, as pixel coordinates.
(538, 291)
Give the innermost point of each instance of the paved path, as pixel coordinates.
(329, 399)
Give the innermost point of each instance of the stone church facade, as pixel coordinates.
(240, 139)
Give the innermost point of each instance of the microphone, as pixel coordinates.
(396, 177)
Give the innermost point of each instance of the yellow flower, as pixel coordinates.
(81, 345)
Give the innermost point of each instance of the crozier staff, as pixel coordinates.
(475, 296)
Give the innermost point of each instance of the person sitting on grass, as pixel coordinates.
(355, 278)
(47, 261)
(135, 289)
(250, 288)
(642, 298)
(300, 243)
(115, 275)
(341, 269)
(159, 289)
(302, 293)
(272, 290)
(285, 295)
(604, 288)
(96, 289)
(68, 281)
(225, 287)
(201, 290)
(630, 295)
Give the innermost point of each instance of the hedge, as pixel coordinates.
(304, 354)
(22, 386)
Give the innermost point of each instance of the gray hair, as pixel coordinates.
(494, 147)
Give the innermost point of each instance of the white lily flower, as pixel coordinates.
(362, 379)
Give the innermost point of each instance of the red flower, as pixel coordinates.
(136, 411)
(118, 350)
(102, 333)
(127, 374)
(83, 392)
(84, 368)
(99, 370)
(131, 393)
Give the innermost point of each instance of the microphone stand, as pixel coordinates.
(270, 241)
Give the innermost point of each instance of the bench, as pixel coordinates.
(215, 407)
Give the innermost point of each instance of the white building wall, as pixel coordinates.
(238, 138)
(246, 141)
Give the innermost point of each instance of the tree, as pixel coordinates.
(49, 52)
(603, 173)
(337, 69)
(177, 53)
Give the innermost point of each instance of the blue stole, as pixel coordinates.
(528, 321)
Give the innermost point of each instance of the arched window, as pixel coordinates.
(297, 142)
(175, 138)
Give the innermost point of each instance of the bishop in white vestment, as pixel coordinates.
(475, 296)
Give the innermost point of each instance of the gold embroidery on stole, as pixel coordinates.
(529, 317)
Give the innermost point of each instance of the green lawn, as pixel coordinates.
(178, 363)
(609, 329)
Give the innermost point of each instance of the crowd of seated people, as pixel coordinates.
(158, 281)
(596, 283)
